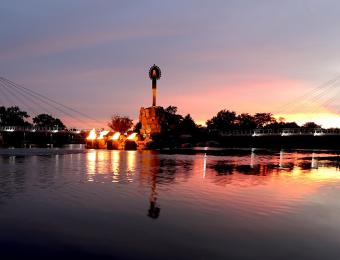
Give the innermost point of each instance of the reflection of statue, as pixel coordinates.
(162, 171)
(153, 210)
(150, 166)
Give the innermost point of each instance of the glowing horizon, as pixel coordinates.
(96, 61)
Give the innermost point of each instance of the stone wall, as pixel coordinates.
(152, 119)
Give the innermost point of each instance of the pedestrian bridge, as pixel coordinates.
(38, 129)
(282, 132)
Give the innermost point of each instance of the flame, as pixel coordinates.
(92, 135)
(132, 136)
(102, 134)
(116, 136)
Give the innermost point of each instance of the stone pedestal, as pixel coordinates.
(152, 119)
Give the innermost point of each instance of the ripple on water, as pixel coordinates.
(200, 198)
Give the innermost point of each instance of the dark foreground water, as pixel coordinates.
(100, 204)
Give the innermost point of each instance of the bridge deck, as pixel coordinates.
(282, 132)
(38, 129)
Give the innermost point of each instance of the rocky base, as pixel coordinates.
(151, 119)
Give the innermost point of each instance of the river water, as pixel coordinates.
(234, 204)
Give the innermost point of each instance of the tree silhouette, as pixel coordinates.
(120, 123)
(13, 116)
(246, 121)
(263, 119)
(188, 125)
(224, 120)
(171, 110)
(311, 125)
(45, 120)
(172, 119)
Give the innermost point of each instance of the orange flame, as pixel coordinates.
(132, 136)
(92, 135)
(116, 136)
(102, 134)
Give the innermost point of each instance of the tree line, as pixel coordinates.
(174, 124)
(14, 116)
(226, 120)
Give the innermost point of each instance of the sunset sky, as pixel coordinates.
(247, 56)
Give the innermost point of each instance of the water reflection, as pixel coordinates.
(115, 166)
(236, 198)
(314, 163)
(149, 169)
(204, 165)
(91, 161)
(294, 173)
(253, 161)
(152, 169)
(154, 209)
(115, 157)
(267, 164)
(130, 164)
(287, 176)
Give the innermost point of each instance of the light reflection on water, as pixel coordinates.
(114, 163)
(268, 184)
(200, 202)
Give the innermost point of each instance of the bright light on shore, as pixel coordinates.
(116, 136)
(92, 135)
(102, 134)
(132, 136)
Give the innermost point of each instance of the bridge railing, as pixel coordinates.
(310, 131)
(282, 132)
(37, 129)
(237, 133)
